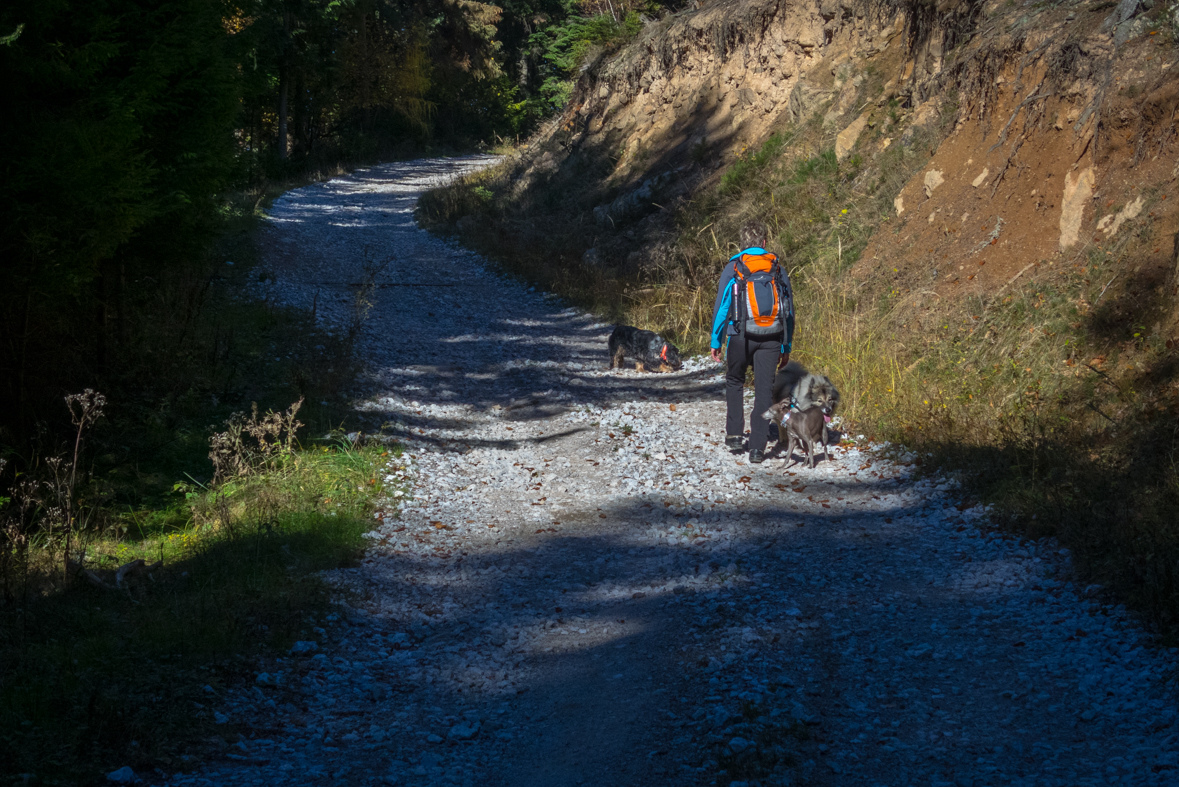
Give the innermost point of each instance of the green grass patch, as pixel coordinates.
(95, 679)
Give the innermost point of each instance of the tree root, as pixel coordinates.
(123, 578)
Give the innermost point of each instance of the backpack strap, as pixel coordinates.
(740, 269)
(787, 291)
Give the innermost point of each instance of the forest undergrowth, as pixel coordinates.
(177, 528)
(1041, 397)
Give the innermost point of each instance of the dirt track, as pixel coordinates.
(587, 589)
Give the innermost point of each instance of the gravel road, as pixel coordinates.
(583, 587)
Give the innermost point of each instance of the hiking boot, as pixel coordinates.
(757, 456)
(735, 442)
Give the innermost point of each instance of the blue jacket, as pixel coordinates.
(723, 308)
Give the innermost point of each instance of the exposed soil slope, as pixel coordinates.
(1051, 131)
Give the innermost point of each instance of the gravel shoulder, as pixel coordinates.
(585, 588)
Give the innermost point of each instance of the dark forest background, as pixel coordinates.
(130, 127)
(155, 421)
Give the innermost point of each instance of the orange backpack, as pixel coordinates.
(761, 295)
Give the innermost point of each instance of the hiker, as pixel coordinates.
(754, 314)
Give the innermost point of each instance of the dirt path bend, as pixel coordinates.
(587, 589)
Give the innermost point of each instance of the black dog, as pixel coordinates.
(650, 351)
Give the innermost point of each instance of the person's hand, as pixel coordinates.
(783, 359)
(716, 354)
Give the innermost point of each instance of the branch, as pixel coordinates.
(1093, 407)
(123, 575)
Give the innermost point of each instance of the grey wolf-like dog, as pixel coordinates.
(805, 389)
(796, 388)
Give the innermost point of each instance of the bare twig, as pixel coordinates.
(1106, 287)
(85, 408)
(1095, 409)
(1102, 374)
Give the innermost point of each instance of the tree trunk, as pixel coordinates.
(284, 86)
(282, 115)
(101, 317)
(299, 117)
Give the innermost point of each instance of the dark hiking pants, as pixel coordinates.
(762, 355)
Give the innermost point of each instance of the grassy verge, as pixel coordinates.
(1054, 398)
(98, 678)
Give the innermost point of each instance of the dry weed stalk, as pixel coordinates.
(85, 409)
(249, 445)
(50, 503)
(253, 443)
(362, 303)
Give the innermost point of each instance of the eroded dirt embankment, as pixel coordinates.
(1049, 129)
